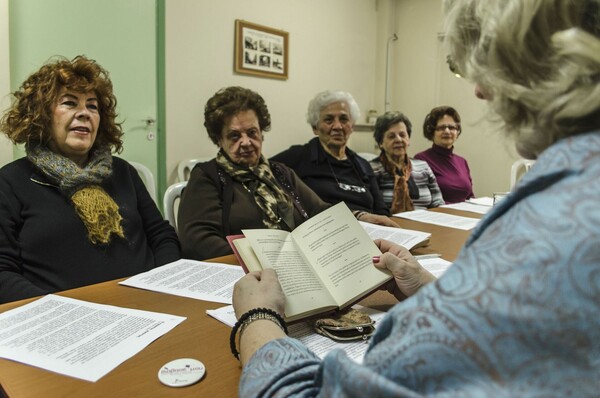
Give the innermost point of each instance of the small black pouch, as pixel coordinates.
(350, 325)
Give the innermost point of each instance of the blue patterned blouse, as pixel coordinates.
(517, 315)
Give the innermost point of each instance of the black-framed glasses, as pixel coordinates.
(452, 127)
(452, 66)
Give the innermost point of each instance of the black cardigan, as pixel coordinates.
(314, 166)
(43, 243)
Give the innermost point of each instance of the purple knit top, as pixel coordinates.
(452, 173)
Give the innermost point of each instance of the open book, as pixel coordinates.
(323, 265)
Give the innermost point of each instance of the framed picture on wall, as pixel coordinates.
(260, 50)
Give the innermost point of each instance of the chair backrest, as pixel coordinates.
(147, 177)
(171, 202)
(185, 167)
(367, 155)
(517, 170)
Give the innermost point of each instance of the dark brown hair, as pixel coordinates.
(387, 120)
(436, 114)
(230, 101)
(29, 118)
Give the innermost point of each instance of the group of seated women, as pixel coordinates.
(433, 177)
(241, 189)
(515, 315)
(69, 194)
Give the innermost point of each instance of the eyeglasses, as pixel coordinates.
(452, 66)
(451, 127)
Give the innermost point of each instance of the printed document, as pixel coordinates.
(470, 207)
(78, 338)
(443, 219)
(189, 278)
(406, 238)
(482, 200)
(436, 266)
(480, 205)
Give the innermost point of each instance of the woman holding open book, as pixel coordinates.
(239, 189)
(517, 313)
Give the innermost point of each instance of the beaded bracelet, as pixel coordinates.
(250, 316)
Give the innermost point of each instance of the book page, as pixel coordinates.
(340, 252)
(303, 290)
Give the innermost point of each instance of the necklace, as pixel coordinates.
(347, 187)
(254, 192)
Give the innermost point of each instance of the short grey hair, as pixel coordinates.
(387, 120)
(324, 98)
(537, 62)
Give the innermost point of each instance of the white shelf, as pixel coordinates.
(363, 128)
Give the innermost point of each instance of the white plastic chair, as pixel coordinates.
(185, 167)
(147, 177)
(367, 155)
(171, 202)
(517, 170)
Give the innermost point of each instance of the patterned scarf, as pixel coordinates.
(260, 182)
(401, 200)
(96, 209)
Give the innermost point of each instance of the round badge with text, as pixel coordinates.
(181, 372)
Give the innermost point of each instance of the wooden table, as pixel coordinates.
(199, 336)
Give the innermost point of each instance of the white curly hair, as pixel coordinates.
(324, 98)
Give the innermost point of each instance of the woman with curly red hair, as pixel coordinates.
(71, 214)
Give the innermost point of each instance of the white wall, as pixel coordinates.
(333, 45)
(421, 81)
(337, 44)
(6, 148)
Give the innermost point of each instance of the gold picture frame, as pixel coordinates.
(260, 50)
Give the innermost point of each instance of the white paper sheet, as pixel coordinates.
(480, 205)
(78, 338)
(407, 238)
(470, 207)
(189, 278)
(437, 266)
(482, 200)
(443, 219)
(304, 332)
